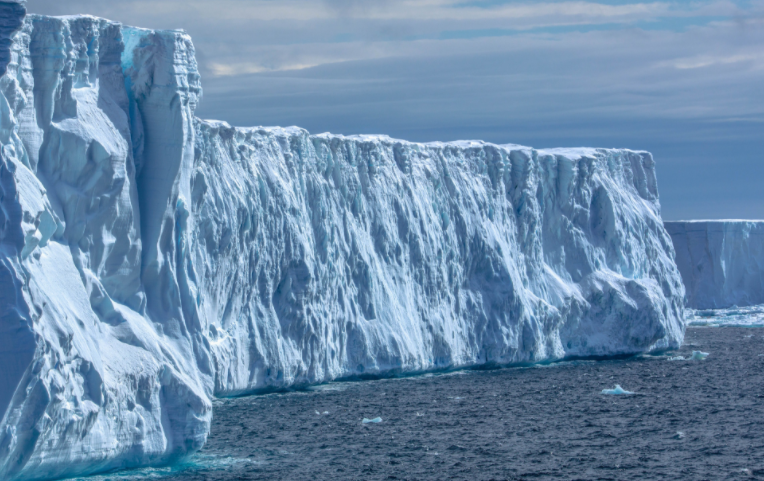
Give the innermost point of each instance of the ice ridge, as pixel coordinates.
(150, 261)
(722, 262)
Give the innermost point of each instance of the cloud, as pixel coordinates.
(682, 79)
(388, 10)
(245, 68)
(709, 61)
(457, 10)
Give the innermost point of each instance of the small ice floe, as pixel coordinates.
(323, 413)
(696, 356)
(618, 391)
(371, 421)
(679, 435)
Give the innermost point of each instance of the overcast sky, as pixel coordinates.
(684, 80)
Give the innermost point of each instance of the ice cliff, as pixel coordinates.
(150, 261)
(722, 262)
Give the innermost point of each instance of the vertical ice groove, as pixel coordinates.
(11, 18)
(150, 260)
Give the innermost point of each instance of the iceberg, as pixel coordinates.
(699, 356)
(151, 261)
(617, 391)
(722, 262)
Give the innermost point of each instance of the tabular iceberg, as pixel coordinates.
(722, 262)
(151, 260)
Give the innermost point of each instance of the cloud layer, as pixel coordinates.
(682, 79)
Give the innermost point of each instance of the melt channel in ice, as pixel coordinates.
(150, 261)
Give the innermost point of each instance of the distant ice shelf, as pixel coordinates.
(150, 261)
(722, 263)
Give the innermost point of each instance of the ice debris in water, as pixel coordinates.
(618, 391)
(369, 421)
(752, 316)
(696, 356)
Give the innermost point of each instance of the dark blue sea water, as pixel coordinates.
(689, 420)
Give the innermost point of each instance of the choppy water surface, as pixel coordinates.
(688, 420)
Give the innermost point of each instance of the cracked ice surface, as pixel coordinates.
(150, 261)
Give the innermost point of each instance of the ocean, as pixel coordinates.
(686, 420)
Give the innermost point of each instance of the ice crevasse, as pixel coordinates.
(150, 261)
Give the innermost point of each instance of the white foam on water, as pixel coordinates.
(751, 316)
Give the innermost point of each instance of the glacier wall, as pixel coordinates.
(326, 256)
(91, 381)
(722, 262)
(150, 261)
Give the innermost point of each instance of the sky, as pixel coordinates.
(681, 79)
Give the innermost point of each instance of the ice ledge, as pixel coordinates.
(574, 153)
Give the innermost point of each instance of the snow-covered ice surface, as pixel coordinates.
(150, 261)
(722, 264)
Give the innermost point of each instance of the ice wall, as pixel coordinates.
(11, 17)
(326, 256)
(722, 262)
(90, 381)
(150, 261)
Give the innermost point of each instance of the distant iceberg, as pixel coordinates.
(150, 261)
(722, 262)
